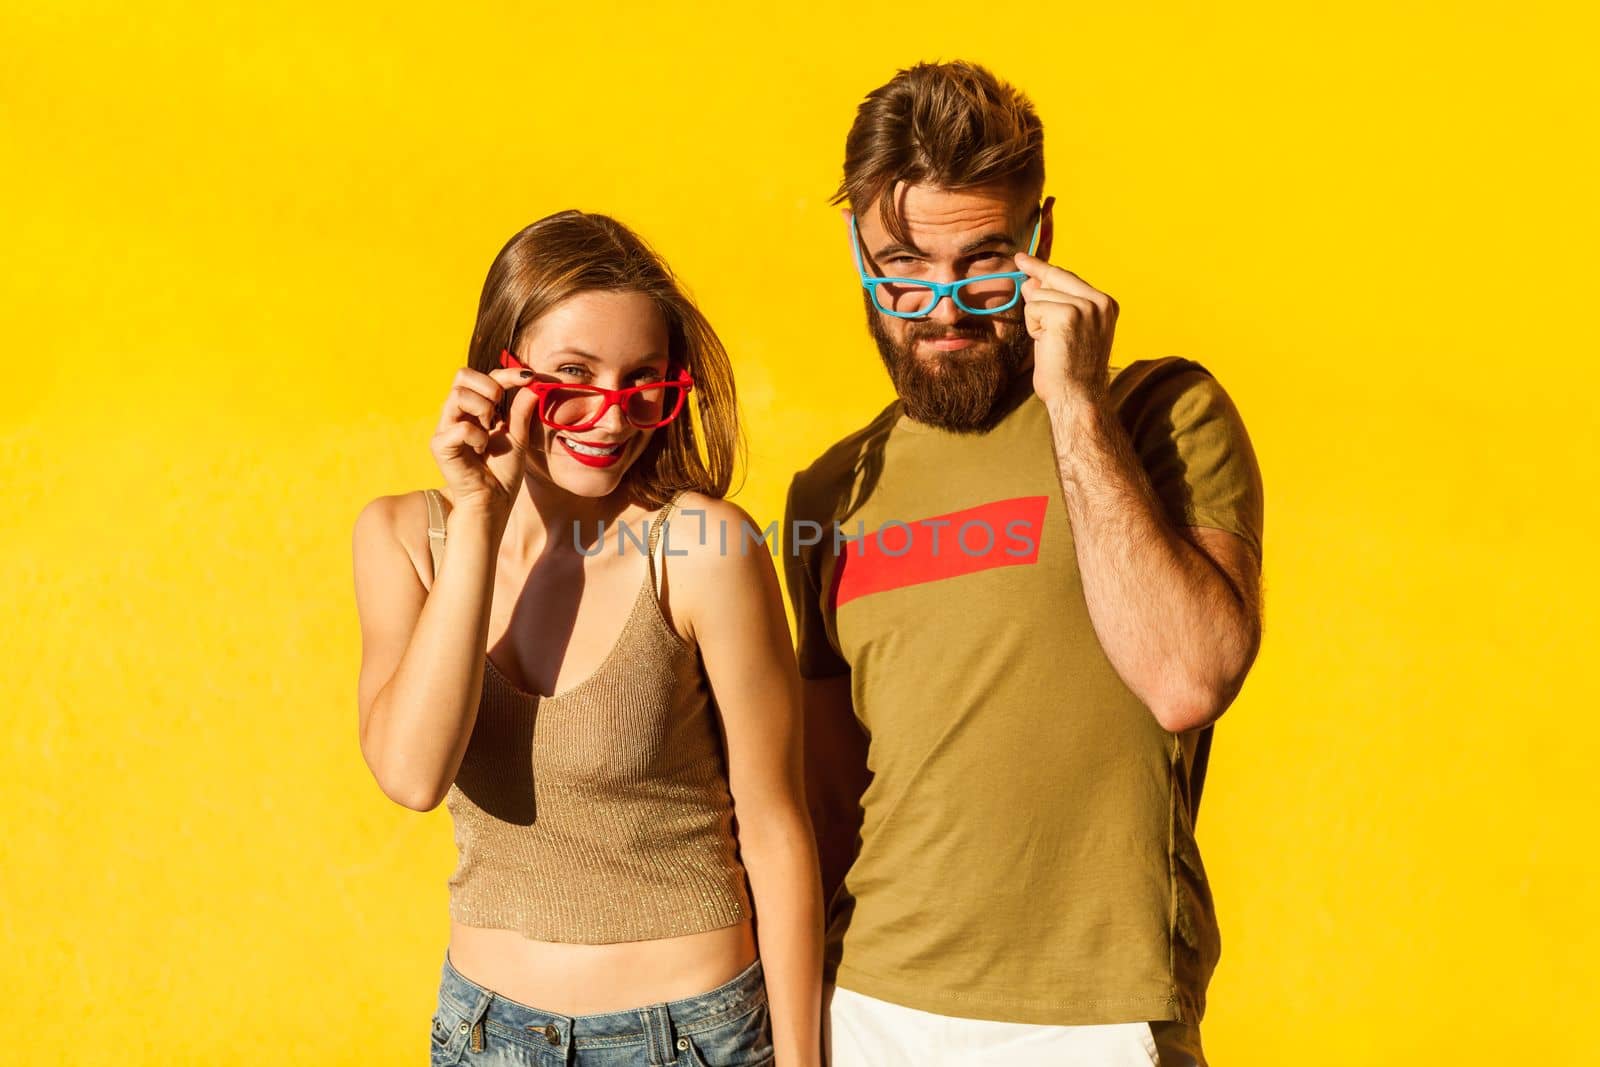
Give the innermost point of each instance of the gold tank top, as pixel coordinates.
(602, 813)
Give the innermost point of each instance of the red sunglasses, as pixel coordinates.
(580, 407)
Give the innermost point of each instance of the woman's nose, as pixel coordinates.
(613, 420)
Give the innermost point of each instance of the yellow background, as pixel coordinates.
(242, 253)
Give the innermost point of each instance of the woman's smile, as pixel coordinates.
(592, 454)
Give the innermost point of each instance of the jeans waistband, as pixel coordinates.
(655, 1024)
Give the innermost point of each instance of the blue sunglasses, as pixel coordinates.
(992, 293)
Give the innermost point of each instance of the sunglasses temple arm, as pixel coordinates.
(855, 250)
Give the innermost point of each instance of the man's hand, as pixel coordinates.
(1071, 323)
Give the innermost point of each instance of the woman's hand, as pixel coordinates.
(479, 453)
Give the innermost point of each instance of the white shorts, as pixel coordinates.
(862, 1031)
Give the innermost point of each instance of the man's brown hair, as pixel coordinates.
(952, 125)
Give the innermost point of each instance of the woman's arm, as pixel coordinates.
(730, 603)
(421, 651)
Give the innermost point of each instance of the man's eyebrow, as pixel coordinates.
(899, 250)
(998, 238)
(988, 239)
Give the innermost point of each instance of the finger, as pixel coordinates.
(1079, 308)
(1063, 316)
(488, 385)
(464, 435)
(510, 377)
(466, 402)
(1041, 295)
(1033, 320)
(1101, 307)
(1054, 277)
(473, 404)
(519, 419)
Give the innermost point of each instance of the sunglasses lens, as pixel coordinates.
(570, 409)
(904, 298)
(650, 405)
(987, 295)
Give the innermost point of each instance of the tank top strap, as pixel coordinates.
(657, 538)
(436, 528)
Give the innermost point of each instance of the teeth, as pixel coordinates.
(592, 450)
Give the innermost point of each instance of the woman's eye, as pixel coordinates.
(571, 369)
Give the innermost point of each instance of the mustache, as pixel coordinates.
(974, 331)
(942, 333)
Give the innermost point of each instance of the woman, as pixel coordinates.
(592, 689)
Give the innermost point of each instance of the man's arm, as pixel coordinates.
(835, 744)
(836, 775)
(1177, 609)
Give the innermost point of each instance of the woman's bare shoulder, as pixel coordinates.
(399, 519)
(718, 539)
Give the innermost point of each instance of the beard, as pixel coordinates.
(961, 391)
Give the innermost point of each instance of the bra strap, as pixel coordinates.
(436, 528)
(657, 536)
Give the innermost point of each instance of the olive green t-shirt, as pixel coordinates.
(1027, 846)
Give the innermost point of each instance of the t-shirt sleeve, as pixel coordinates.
(1192, 442)
(802, 575)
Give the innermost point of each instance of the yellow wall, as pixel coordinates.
(241, 257)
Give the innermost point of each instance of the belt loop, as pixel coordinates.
(658, 1035)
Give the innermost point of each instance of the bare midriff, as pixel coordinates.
(578, 979)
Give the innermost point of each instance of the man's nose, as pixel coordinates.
(945, 312)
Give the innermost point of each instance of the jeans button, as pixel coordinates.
(683, 1043)
(552, 1035)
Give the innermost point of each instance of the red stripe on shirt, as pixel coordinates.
(883, 559)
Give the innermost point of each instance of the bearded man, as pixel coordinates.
(1039, 590)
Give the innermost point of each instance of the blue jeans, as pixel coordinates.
(727, 1027)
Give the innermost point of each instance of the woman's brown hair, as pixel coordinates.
(573, 252)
